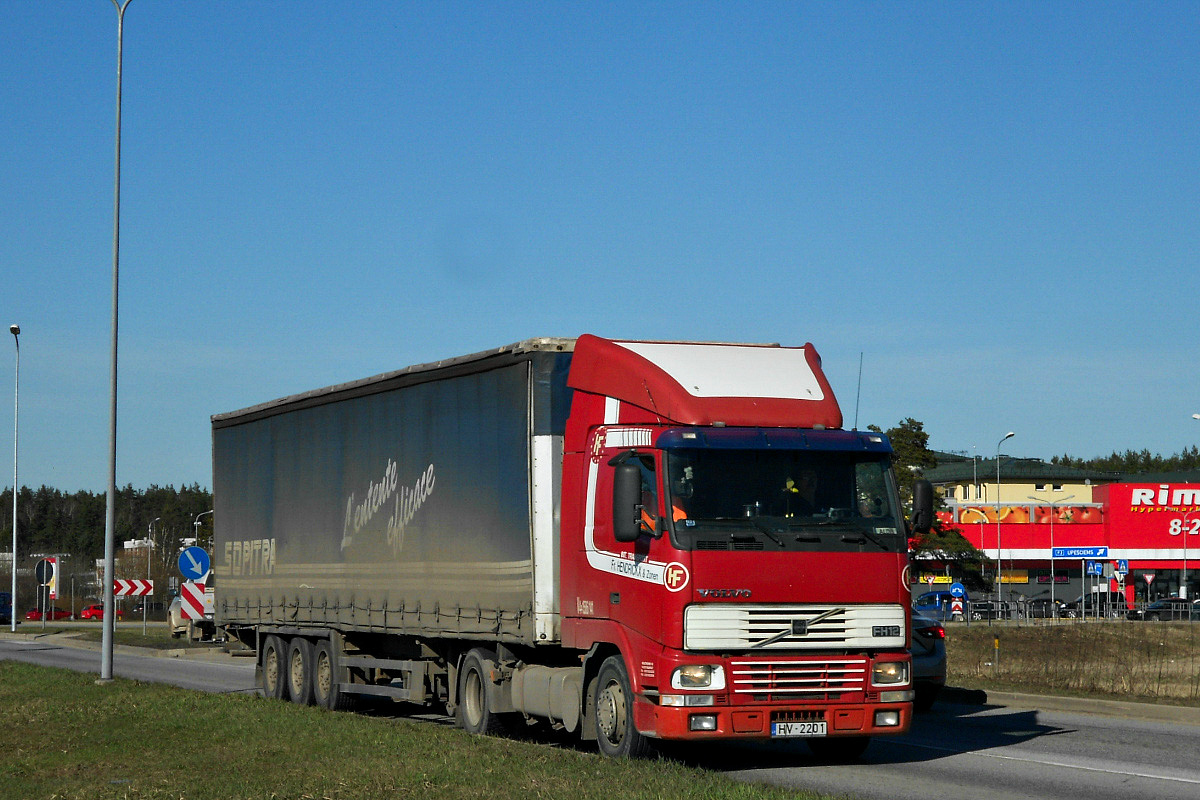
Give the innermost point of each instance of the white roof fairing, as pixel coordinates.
(717, 370)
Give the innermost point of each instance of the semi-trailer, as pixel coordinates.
(631, 540)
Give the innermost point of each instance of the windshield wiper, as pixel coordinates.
(762, 526)
(865, 534)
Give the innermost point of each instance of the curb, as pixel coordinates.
(66, 639)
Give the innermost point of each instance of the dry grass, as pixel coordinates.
(62, 737)
(1147, 661)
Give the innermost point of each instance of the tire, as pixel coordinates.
(274, 668)
(324, 679)
(473, 712)
(613, 713)
(300, 671)
(839, 749)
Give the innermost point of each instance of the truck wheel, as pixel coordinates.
(300, 671)
(274, 668)
(839, 749)
(474, 712)
(325, 689)
(615, 732)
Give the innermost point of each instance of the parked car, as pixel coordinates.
(51, 614)
(1167, 608)
(6, 608)
(152, 607)
(928, 652)
(988, 609)
(1103, 604)
(96, 611)
(937, 604)
(1043, 608)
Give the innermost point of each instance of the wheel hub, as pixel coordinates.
(610, 712)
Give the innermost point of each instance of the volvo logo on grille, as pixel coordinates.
(730, 593)
(799, 627)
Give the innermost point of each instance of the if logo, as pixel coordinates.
(675, 576)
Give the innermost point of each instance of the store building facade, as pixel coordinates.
(1056, 531)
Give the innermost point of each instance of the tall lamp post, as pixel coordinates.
(110, 516)
(15, 330)
(196, 524)
(1053, 513)
(149, 547)
(1183, 582)
(999, 552)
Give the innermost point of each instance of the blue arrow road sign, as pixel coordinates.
(194, 563)
(1081, 552)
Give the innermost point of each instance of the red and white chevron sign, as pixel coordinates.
(133, 588)
(191, 600)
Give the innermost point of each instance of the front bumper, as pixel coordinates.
(755, 721)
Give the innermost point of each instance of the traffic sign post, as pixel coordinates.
(194, 563)
(1080, 552)
(46, 572)
(138, 588)
(193, 602)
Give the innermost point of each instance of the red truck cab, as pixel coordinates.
(732, 561)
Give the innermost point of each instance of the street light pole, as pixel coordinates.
(196, 524)
(999, 552)
(110, 516)
(1183, 530)
(1053, 514)
(149, 547)
(15, 330)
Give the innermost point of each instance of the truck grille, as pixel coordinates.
(744, 627)
(827, 679)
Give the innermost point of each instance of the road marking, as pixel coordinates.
(1049, 763)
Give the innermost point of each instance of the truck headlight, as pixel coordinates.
(698, 676)
(889, 673)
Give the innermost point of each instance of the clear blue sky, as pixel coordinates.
(998, 204)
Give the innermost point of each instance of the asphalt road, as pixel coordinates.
(996, 753)
(216, 675)
(993, 752)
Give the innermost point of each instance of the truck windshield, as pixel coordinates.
(783, 500)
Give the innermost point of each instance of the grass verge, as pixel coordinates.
(64, 737)
(1139, 661)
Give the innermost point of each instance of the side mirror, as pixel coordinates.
(627, 503)
(922, 518)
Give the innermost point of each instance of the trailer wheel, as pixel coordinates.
(274, 668)
(839, 749)
(615, 731)
(474, 713)
(300, 671)
(325, 687)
